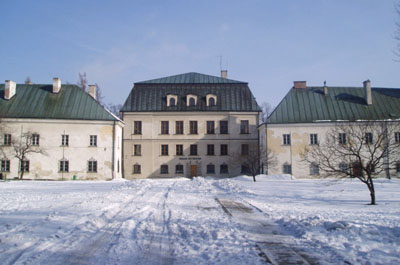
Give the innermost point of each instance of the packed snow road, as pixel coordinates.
(200, 221)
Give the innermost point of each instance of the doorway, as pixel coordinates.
(193, 171)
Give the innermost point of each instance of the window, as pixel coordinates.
(179, 149)
(179, 169)
(210, 149)
(223, 127)
(211, 102)
(35, 139)
(398, 167)
(137, 150)
(244, 127)
(369, 138)
(164, 127)
(137, 169)
(286, 139)
(137, 127)
(287, 169)
(24, 166)
(244, 169)
(245, 149)
(314, 169)
(172, 102)
(5, 165)
(344, 167)
(223, 169)
(193, 149)
(92, 166)
(313, 139)
(342, 138)
(178, 127)
(193, 127)
(64, 166)
(164, 149)
(210, 169)
(65, 140)
(210, 127)
(7, 139)
(396, 137)
(192, 102)
(164, 169)
(93, 140)
(224, 149)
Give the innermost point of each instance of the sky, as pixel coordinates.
(268, 44)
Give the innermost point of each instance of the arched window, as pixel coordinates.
(211, 102)
(192, 102)
(172, 102)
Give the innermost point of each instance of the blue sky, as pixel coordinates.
(266, 43)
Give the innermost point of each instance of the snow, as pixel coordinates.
(180, 221)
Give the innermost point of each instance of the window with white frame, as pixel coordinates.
(92, 166)
(63, 166)
(65, 140)
(35, 139)
(93, 140)
(191, 100)
(211, 100)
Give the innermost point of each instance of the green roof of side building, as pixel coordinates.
(310, 104)
(34, 101)
(152, 95)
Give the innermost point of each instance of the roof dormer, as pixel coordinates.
(211, 100)
(191, 100)
(172, 100)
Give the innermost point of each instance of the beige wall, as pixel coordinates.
(109, 137)
(152, 139)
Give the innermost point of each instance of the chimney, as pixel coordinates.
(56, 85)
(224, 74)
(326, 91)
(92, 91)
(300, 84)
(9, 90)
(368, 92)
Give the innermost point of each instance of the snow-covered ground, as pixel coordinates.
(179, 221)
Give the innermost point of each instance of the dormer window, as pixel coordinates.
(172, 100)
(211, 100)
(191, 100)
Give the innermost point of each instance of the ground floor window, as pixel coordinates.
(137, 169)
(344, 167)
(223, 169)
(244, 169)
(287, 169)
(398, 167)
(210, 169)
(314, 169)
(64, 166)
(179, 169)
(92, 166)
(24, 166)
(5, 165)
(164, 169)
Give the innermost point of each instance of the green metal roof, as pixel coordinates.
(38, 102)
(231, 95)
(341, 104)
(191, 78)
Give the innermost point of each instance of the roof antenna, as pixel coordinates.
(220, 61)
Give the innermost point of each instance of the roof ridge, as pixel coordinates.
(191, 78)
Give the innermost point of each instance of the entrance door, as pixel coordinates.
(193, 170)
(357, 171)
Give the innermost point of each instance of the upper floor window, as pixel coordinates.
(313, 139)
(224, 149)
(211, 100)
(5, 165)
(369, 138)
(93, 140)
(164, 149)
(137, 150)
(65, 140)
(193, 127)
(172, 100)
(164, 127)
(210, 149)
(137, 127)
(223, 127)
(286, 139)
(398, 166)
(193, 149)
(178, 127)
(179, 149)
(7, 139)
(210, 127)
(191, 100)
(396, 137)
(35, 139)
(342, 138)
(244, 127)
(245, 149)
(92, 166)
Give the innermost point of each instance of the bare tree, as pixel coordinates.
(266, 111)
(27, 144)
(271, 160)
(99, 94)
(115, 109)
(361, 150)
(28, 81)
(82, 81)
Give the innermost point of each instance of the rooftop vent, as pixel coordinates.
(9, 90)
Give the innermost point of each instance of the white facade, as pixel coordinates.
(104, 154)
